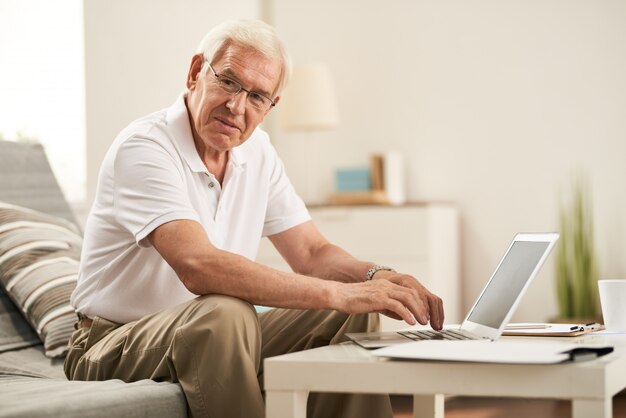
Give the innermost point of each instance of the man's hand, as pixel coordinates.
(398, 296)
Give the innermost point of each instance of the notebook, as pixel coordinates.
(496, 303)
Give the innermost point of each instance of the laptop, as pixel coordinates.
(495, 305)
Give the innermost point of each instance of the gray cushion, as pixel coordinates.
(32, 385)
(27, 180)
(33, 398)
(39, 256)
(30, 362)
(14, 330)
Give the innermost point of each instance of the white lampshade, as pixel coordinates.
(309, 101)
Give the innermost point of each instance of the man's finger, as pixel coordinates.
(399, 309)
(436, 317)
(415, 306)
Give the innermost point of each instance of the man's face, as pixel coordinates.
(221, 120)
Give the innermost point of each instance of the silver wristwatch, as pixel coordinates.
(371, 272)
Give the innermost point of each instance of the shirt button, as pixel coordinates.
(211, 185)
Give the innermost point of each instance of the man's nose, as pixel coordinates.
(237, 103)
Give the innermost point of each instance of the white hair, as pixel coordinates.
(254, 34)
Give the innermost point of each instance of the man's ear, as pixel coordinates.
(194, 70)
(276, 100)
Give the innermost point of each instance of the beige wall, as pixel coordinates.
(495, 104)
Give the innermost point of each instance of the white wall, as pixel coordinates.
(137, 55)
(495, 105)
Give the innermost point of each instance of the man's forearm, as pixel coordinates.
(330, 262)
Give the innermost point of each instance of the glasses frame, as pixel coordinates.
(221, 77)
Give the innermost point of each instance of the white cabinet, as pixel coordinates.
(418, 239)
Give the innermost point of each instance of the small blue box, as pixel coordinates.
(353, 180)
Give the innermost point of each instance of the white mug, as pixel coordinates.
(613, 302)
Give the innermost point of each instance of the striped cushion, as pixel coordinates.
(39, 257)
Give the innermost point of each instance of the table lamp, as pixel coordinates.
(309, 101)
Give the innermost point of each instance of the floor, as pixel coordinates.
(465, 407)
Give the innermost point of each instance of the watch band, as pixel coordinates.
(371, 272)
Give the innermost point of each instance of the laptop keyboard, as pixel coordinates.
(446, 334)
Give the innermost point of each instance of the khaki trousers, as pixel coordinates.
(214, 347)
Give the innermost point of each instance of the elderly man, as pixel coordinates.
(168, 280)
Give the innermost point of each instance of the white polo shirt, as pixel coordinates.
(152, 174)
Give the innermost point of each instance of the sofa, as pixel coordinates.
(39, 254)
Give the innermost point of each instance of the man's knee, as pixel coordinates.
(220, 316)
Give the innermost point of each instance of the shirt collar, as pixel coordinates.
(178, 122)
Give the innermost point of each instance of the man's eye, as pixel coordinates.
(230, 84)
(256, 98)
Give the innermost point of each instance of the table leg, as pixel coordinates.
(428, 406)
(585, 408)
(279, 404)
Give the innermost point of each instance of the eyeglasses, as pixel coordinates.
(257, 100)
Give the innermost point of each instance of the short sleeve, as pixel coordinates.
(285, 209)
(149, 188)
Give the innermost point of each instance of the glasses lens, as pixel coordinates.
(259, 101)
(229, 85)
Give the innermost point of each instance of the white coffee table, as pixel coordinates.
(346, 367)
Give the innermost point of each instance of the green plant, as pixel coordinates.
(577, 272)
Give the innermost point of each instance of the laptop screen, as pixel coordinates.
(507, 283)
